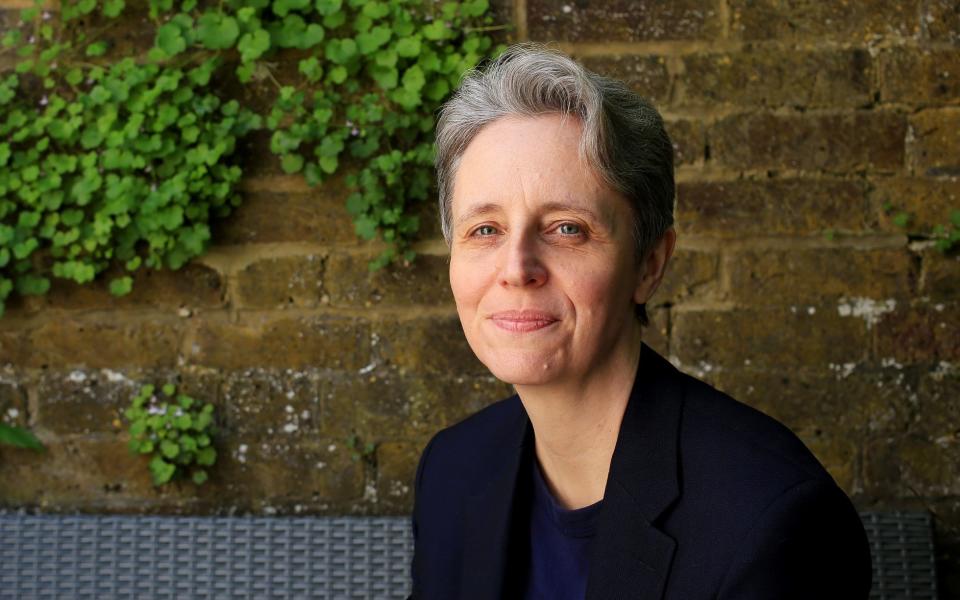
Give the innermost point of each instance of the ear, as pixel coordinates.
(654, 265)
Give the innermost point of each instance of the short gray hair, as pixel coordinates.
(623, 138)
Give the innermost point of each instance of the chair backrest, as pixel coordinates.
(80, 557)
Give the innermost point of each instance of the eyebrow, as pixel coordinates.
(489, 207)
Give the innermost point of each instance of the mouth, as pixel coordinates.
(523, 321)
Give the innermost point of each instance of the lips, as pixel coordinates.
(523, 321)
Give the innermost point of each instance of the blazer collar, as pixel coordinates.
(631, 557)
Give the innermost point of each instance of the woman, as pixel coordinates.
(610, 474)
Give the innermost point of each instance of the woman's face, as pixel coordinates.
(543, 266)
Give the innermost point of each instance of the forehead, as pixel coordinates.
(531, 160)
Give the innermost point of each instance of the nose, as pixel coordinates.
(521, 265)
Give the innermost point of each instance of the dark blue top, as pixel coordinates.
(559, 542)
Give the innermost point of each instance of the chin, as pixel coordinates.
(521, 368)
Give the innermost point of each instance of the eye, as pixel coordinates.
(485, 230)
(569, 229)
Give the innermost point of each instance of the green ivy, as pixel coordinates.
(176, 433)
(19, 437)
(129, 159)
(945, 237)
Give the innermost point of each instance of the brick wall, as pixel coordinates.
(795, 123)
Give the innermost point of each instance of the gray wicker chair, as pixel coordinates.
(95, 557)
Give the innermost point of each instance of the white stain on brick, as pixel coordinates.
(868, 309)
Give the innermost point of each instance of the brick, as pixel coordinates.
(798, 276)
(690, 274)
(940, 278)
(657, 333)
(772, 337)
(382, 405)
(771, 207)
(943, 22)
(620, 20)
(911, 465)
(858, 400)
(396, 468)
(937, 412)
(271, 404)
(833, 143)
(118, 343)
(426, 345)
(13, 397)
(933, 146)
(14, 344)
(927, 201)
(848, 22)
(83, 401)
(285, 342)
(425, 281)
(645, 75)
(689, 141)
(279, 282)
(276, 476)
(193, 285)
(93, 401)
(916, 76)
(94, 473)
(838, 454)
(772, 78)
(319, 216)
(922, 333)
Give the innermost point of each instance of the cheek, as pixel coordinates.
(465, 283)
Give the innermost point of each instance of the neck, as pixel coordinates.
(576, 425)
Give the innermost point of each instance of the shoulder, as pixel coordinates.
(470, 450)
(721, 432)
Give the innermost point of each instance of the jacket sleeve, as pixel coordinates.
(808, 543)
(416, 568)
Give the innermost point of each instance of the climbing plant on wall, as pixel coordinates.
(116, 150)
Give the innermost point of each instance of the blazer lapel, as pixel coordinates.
(488, 517)
(631, 557)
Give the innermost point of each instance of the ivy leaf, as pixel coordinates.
(217, 31)
(161, 470)
(328, 7)
(409, 47)
(338, 74)
(386, 77)
(21, 438)
(313, 35)
(413, 79)
(97, 49)
(340, 50)
(121, 286)
(365, 227)
(375, 10)
(370, 41)
(170, 39)
(291, 163)
(436, 30)
(282, 7)
(112, 8)
(311, 69)
(253, 45)
(30, 285)
(199, 476)
(206, 456)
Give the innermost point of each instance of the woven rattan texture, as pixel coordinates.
(87, 557)
(901, 545)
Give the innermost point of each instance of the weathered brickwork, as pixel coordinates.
(803, 131)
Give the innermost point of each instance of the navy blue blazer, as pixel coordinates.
(706, 498)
